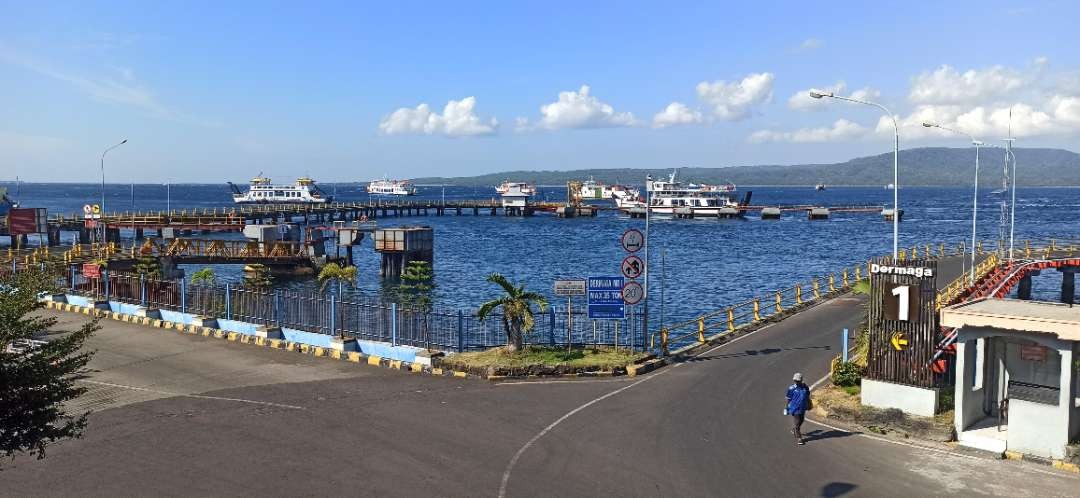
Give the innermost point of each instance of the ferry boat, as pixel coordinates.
(595, 190)
(391, 187)
(263, 191)
(671, 196)
(521, 188)
(819, 187)
(6, 203)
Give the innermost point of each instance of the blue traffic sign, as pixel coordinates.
(605, 298)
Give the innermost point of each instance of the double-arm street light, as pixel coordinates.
(896, 163)
(975, 198)
(102, 215)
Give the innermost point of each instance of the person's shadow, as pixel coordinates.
(837, 489)
(818, 434)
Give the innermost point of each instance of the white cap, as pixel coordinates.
(797, 377)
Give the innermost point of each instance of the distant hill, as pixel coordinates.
(928, 166)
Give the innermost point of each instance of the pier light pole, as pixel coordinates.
(102, 216)
(896, 162)
(975, 196)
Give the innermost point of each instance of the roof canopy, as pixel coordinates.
(1044, 317)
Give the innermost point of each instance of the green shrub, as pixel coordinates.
(847, 374)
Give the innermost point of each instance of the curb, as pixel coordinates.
(297, 347)
(1057, 464)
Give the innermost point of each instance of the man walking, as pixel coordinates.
(798, 401)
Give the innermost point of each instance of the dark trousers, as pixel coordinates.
(796, 424)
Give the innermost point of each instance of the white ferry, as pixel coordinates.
(520, 188)
(391, 187)
(593, 189)
(674, 197)
(263, 191)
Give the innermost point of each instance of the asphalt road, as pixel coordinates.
(179, 415)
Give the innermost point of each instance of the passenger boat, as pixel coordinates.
(391, 187)
(819, 187)
(263, 191)
(594, 190)
(521, 188)
(671, 196)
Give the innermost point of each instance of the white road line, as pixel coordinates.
(563, 381)
(523, 449)
(197, 396)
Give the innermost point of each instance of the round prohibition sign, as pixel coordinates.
(87, 209)
(632, 266)
(632, 240)
(632, 293)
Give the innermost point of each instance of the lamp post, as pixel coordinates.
(896, 163)
(975, 196)
(102, 216)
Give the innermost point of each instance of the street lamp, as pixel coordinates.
(102, 217)
(896, 163)
(975, 197)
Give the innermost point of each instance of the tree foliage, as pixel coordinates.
(517, 312)
(36, 379)
(334, 272)
(417, 284)
(204, 276)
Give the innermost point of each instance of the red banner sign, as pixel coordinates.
(27, 220)
(91, 270)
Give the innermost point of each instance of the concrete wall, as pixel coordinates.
(1074, 417)
(909, 399)
(969, 402)
(1036, 429)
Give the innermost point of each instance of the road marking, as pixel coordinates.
(523, 449)
(196, 396)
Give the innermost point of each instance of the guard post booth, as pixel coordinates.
(1016, 375)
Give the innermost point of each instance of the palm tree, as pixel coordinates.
(517, 313)
(334, 272)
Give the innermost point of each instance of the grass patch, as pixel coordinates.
(852, 390)
(587, 358)
(843, 403)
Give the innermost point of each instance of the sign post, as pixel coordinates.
(903, 322)
(570, 288)
(605, 298)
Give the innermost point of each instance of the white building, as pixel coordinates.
(1016, 375)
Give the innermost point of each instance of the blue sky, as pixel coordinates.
(349, 91)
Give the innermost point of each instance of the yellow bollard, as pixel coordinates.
(757, 310)
(701, 329)
(664, 341)
(980, 247)
(798, 294)
(941, 250)
(858, 273)
(902, 255)
(779, 297)
(730, 320)
(817, 289)
(1027, 248)
(845, 279)
(832, 283)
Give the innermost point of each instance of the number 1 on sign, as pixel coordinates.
(902, 296)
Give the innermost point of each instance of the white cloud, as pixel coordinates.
(809, 45)
(946, 85)
(103, 89)
(578, 110)
(458, 119)
(841, 130)
(734, 101)
(676, 114)
(802, 101)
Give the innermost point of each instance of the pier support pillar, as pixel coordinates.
(112, 235)
(1068, 284)
(54, 236)
(85, 235)
(138, 234)
(19, 241)
(1023, 289)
